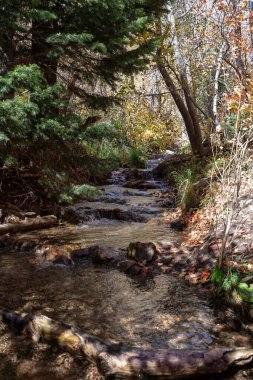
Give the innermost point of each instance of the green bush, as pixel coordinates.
(36, 112)
(137, 157)
(233, 284)
(102, 131)
(78, 192)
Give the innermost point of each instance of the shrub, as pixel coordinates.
(102, 131)
(78, 192)
(233, 289)
(137, 157)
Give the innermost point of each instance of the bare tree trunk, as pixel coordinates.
(216, 86)
(193, 113)
(8, 47)
(181, 107)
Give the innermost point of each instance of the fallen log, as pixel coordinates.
(32, 224)
(113, 361)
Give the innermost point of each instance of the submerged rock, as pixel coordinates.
(104, 255)
(43, 252)
(119, 214)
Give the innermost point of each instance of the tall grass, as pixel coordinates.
(184, 183)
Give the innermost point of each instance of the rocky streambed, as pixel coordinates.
(117, 283)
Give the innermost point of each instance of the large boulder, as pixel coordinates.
(139, 174)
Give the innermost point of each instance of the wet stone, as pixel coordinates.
(119, 214)
(142, 252)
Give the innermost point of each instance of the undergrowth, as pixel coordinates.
(190, 190)
(232, 288)
(52, 171)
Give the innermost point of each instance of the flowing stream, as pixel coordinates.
(143, 311)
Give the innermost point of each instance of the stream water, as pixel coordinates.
(158, 312)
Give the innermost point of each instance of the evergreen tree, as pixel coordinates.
(79, 42)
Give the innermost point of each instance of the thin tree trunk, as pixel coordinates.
(216, 86)
(185, 77)
(193, 113)
(196, 145)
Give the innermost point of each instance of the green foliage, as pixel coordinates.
(10, 161)
(185, 148)
(102, 131)
(78, 192)
(137, 157)
(224, 279)
(35, 111)
(92, 41)
(107, 148)
(105, 156)
(232, 283)
(245, 291)
(95, 39)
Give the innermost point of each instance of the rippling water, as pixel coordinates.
(151, 312)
